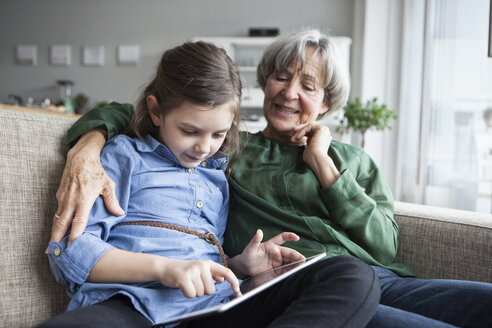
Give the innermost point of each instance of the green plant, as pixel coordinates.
(360, 118)
(102, 103)
(81, 101)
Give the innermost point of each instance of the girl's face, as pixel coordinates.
(294, 96)
(194, 132)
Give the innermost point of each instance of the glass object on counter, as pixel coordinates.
(65, 87)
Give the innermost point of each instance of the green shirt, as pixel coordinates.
(113, 118)
(273, 189)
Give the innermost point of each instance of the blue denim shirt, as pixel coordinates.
(150, 185)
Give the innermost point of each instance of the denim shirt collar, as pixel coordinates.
(148, 144)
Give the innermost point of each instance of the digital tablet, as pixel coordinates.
(250, 287)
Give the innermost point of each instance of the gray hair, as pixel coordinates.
(290, 49)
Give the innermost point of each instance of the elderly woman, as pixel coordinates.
(293, 177)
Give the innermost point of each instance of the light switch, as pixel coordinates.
(93, 56)
(61, 55)
(26, 54)
(128, 54)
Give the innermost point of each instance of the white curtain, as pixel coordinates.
(446, 88)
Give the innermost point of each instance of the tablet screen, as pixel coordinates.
(253, 282)
(250, 287)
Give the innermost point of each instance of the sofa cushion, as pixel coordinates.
(32, 154)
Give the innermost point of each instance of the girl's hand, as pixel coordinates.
(196, 278)
(258, 257)
(317, 138)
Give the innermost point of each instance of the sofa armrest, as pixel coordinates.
(445, 243)
(32, 153)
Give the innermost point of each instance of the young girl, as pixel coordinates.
(163, 257)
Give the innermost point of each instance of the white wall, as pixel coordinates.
(154, 25)
(378, 36)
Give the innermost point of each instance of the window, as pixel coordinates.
(446, 105)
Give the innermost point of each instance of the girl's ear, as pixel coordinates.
(154, 110)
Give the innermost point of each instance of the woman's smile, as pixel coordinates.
(284, 110)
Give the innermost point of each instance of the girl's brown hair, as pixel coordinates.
(197, 72)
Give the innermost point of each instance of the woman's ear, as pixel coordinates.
(154, 110)
(324, 109)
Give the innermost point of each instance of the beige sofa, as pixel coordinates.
(437, 242)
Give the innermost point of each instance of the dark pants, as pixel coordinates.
(411, 302)
(337, 292)
(112, 313)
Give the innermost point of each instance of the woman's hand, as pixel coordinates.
(258, 257)
(317, 138)
(83, 180)
(196, 278)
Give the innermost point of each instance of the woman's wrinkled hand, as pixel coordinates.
(83, 180)
(317, 139)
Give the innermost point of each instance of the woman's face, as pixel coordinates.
(293, 97)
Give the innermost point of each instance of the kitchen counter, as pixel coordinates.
(38, 110)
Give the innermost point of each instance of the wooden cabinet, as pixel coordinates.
(246, 52)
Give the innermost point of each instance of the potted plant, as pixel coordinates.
(362, 117)
(81, 101)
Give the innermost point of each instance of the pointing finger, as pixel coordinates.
(221, 271)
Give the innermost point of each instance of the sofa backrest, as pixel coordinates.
(445, 243)
(32, 155)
